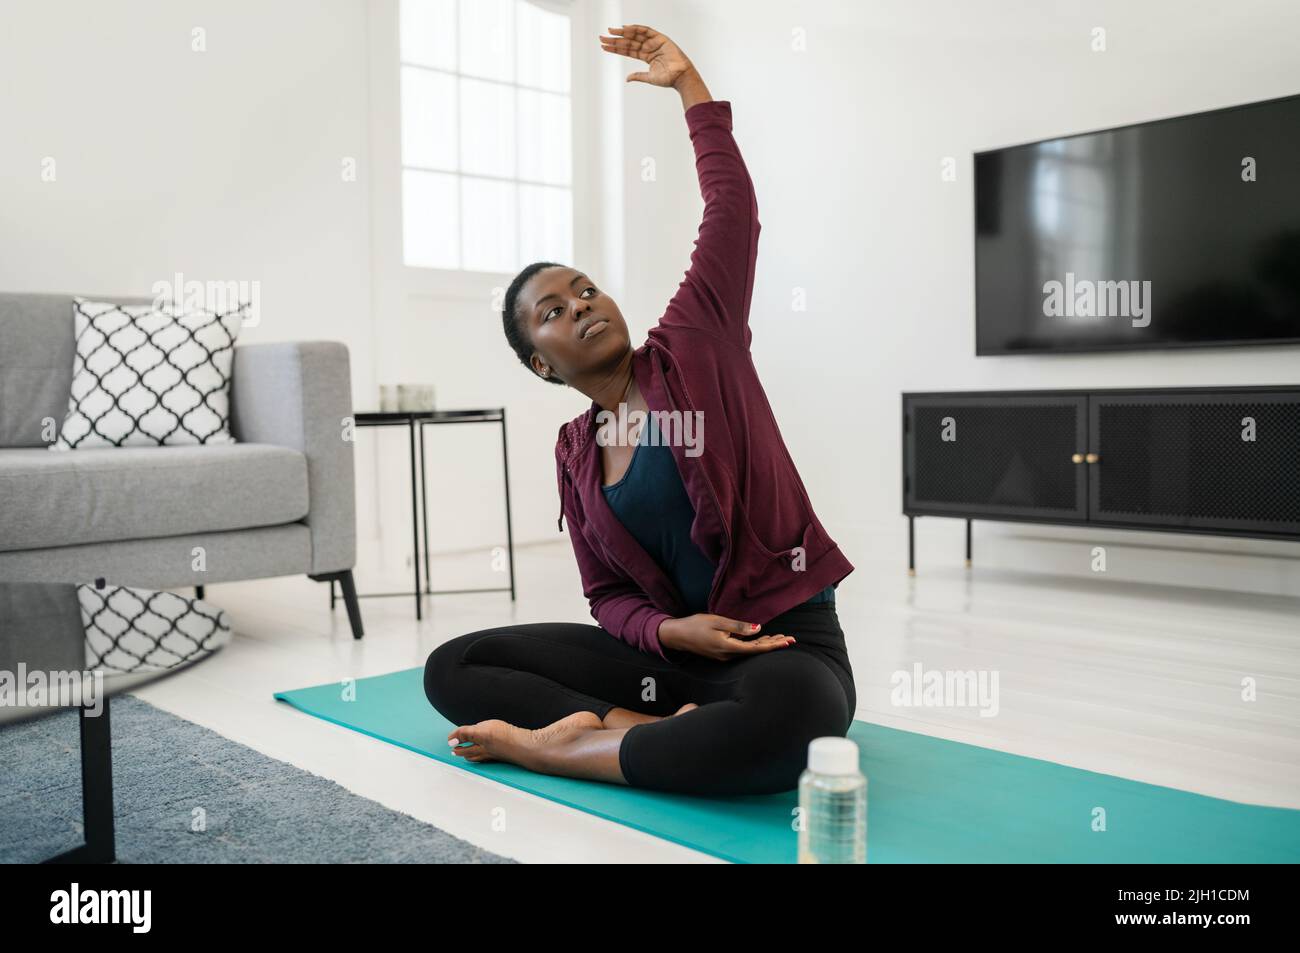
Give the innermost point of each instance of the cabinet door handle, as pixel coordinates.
(1092, 458)
(1077, 458)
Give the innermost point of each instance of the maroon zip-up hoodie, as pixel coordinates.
(753, 517)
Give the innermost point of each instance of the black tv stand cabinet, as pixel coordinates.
(1218, 461)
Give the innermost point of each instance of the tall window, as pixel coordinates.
(486, 134)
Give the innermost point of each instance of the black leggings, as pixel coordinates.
(750, 734)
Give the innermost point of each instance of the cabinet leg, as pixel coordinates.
(968, 522)
(911, 546)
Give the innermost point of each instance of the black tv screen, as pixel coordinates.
(1178, 233)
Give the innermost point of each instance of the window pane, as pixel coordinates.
(487, 128)
(430, 223)
(543, 44)
(428, 118)
(545, 224)
(427, 32)
(487, 30)
(545, 137)
(490, 225)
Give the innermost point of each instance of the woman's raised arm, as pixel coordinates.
(715, 294)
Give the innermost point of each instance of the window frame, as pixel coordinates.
(458, 276)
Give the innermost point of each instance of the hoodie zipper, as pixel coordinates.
(717, 506)
(568, 478)
(608, 552)
(564, 482)
(713, 495)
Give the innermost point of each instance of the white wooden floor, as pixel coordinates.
(1139, 681)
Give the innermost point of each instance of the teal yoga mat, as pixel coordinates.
(928, 800)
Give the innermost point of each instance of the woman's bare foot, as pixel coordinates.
(496, 740)
(626, 718)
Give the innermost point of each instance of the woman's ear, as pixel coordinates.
(539, 366)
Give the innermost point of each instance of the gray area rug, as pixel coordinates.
(257, 809)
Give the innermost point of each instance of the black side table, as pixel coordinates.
(415, 421)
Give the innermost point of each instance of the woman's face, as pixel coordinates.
(576, 329)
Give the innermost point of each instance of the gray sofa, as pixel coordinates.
(280, 501)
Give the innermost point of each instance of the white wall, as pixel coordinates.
(224, 165)
(844, 142)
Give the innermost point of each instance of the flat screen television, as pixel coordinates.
(1183, 232)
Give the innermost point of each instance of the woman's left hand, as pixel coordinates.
(667, 62)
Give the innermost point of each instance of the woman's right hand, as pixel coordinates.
(667, 62)
(717, 637)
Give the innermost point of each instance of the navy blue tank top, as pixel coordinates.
(651, 502)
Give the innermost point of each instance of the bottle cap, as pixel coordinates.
(832, 755)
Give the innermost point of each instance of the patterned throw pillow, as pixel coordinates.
(139, 630)
(146, 376)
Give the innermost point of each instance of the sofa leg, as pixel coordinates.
(354, 605)
(344, 579)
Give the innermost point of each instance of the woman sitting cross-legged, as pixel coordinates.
(718, 656)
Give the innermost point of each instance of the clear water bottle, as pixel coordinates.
(833, 804)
